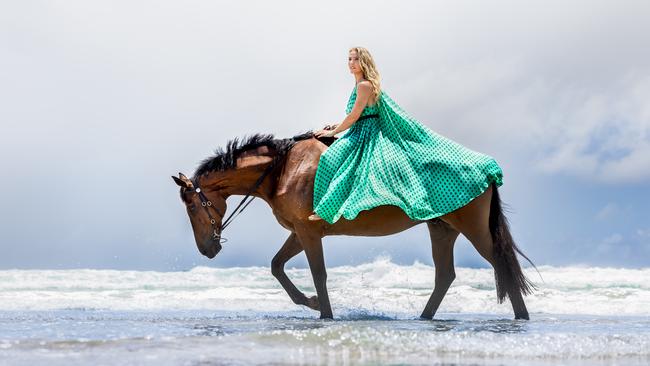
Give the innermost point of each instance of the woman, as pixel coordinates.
(388, 158)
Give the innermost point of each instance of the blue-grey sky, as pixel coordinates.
(101, 102)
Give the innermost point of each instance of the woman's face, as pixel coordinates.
(353, 62)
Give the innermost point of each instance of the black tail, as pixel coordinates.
(507, 271)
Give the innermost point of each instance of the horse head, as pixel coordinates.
(206, 209)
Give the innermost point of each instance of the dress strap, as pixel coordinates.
(368, 116)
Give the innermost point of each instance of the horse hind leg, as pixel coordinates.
(502, 273)
(486, 228)
(443, 238)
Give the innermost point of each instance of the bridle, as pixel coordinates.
(206, 204)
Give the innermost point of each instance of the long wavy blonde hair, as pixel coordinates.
(369, 70)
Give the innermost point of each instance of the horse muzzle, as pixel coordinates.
(211, 249)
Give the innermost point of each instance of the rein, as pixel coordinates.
(206, 203)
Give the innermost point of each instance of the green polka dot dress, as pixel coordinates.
(395, 160)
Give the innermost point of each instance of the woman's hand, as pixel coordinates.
(325, 133)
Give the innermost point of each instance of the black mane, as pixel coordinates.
(227, 159)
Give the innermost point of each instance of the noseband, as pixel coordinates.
(206, 204)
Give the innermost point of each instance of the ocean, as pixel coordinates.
(242, 316)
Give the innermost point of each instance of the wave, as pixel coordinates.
(380, 288)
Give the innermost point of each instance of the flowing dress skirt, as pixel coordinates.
(392, 159)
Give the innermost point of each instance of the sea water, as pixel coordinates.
(240, 316)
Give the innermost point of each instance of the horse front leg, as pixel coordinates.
(289, 250)
(313, 246)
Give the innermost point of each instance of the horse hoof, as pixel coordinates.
(313, 303)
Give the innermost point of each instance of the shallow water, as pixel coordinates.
(236, 316)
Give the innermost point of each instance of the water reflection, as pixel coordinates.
(207, 330)
(479, 325)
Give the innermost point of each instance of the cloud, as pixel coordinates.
(643, 233)
(602, 135)
(608, 211)
(557, 123)
(620, 249)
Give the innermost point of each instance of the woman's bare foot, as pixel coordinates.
(314, 217)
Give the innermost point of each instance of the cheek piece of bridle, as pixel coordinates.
(206, 204)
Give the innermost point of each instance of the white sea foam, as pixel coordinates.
(579, 316)
(379, 287)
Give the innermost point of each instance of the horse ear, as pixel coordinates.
(180, 182)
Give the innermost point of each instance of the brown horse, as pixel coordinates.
(281, 172)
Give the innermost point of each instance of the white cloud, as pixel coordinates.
(608, 211)
(643, 233)
(560, 124)
(612, 244)
(602, 135)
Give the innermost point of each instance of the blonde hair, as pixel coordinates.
(369, 69)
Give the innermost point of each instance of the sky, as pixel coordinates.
(101, 102)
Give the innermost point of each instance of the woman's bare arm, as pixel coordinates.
(364, 90)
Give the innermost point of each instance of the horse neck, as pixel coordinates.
(239, 180)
